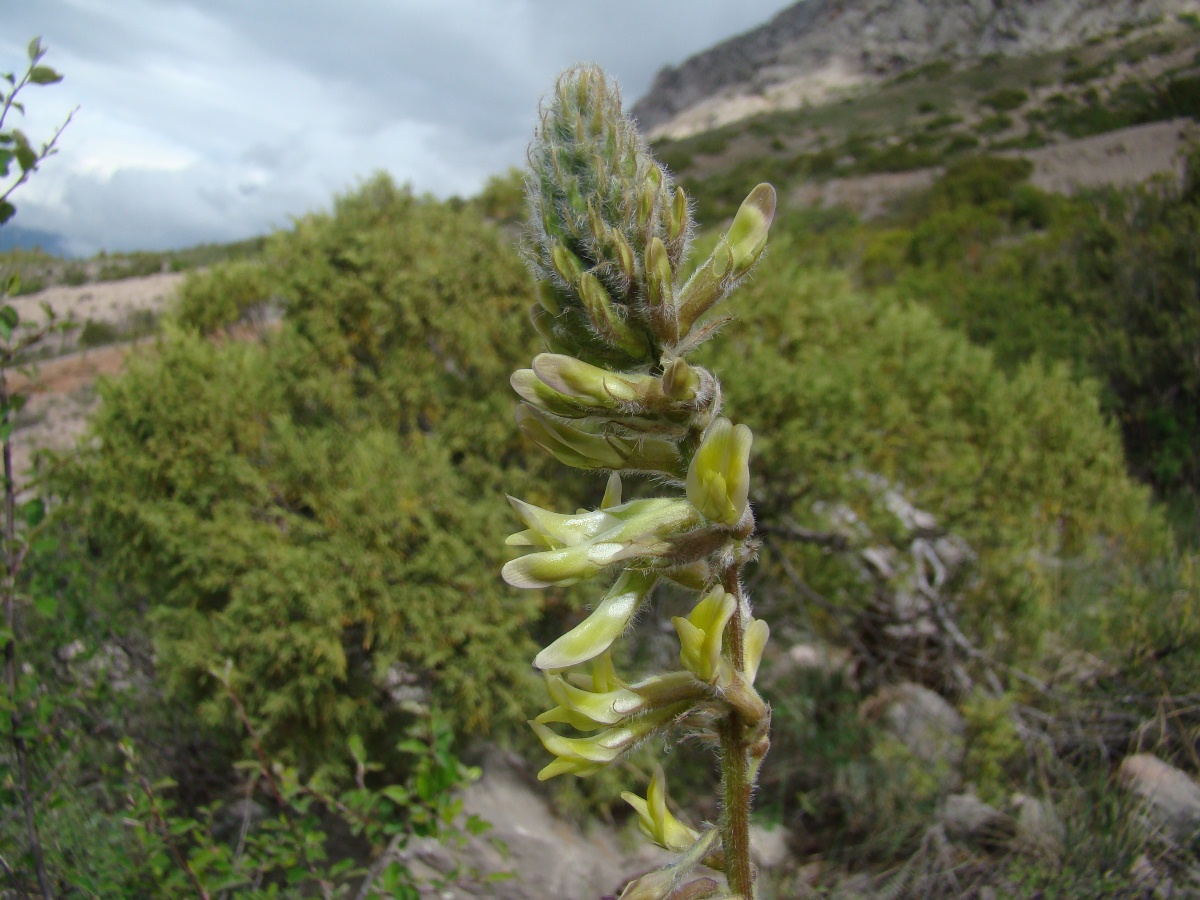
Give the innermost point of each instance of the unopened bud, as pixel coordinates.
(718, 479)
(701, 633)
(568, 266)
(569, 445)
(625, 258)
(679, 380)
(535, 392)
(658, 274)
(747, 236)
(547, 295)
(678, 222)
(608, 321)
(596, 222)
(598, 386)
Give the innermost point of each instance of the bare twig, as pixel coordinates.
(264, 765)
(180, 859)
(378, 866)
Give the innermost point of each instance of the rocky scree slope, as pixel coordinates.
(811, 50)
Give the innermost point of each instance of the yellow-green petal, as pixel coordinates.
(595, 634)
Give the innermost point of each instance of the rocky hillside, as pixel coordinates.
(817, 48)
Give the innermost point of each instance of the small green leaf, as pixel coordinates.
(26, 157)
(35, 49)
(396, 794)
(6, 211)
(46, 606)
(44, 75)
(357, 750)
(477, 826)
(33, 512)
(5, 162)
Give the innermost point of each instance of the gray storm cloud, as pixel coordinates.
(221, 120)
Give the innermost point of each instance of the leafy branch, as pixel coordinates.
(14, 144)
(15, 337)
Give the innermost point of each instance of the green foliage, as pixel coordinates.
(220, 297)
(131, 265)
(98, 333)
(1018, 466)
(1005, 99)
(502, 199)
(315, 506)
(1104, 282)
(995, 751)
(994, 124)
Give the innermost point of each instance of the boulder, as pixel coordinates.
(769, 847)
(931, 729)
(1039, 830)
(549, 858)
(967, 818)
(1170, 799)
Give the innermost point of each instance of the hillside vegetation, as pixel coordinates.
(932, 114)
(316, 511)
(267, 619)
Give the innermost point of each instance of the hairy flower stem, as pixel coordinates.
(739, 746)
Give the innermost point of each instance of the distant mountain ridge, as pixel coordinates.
(816, 47)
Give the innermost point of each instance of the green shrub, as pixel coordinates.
(1005, 99)
(994, 124)
(961, 143)
(1015, 465)
(319, 507)
(98, 334)
(220, 297)
(502, 199)
(943, 121)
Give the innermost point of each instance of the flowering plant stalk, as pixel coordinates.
(607, 240)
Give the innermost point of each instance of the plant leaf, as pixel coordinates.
(44, 75)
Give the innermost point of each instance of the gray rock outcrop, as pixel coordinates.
(815, 48)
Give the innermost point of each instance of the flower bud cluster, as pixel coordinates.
(607, 243)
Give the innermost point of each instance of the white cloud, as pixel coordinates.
(207, 120)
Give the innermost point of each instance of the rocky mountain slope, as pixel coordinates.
(813, 50)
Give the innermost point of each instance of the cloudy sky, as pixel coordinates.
(213, 120)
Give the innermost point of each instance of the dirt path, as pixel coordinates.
(62, 392)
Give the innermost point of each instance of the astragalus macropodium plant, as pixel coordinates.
(607, 240)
